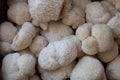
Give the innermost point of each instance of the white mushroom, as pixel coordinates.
(90, 46)
(113, 69)
(38, 44)
(7, 32)
(19, 13)
(5, 48)
(56, 31)
(44, 10)
(57, 54)
(84, 31)
(108, 5)
(24, 37)
(97, 13)
(88, 68)
(114, 24)
(74, 17)
(60, 74)
(78, 44)
(109, 55)
(18, 67)
(104, 36)
(116, 3)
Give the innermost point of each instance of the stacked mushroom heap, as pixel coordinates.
(61, 40)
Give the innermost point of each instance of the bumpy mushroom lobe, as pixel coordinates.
(74, 18)
(38, 44)
(60, 74)
(113, 69)
(116, 3)
(57, 54)
(108, 5)
(114, 24)
(109, 55)
(78, 44)
(84, 31)
(44, 10)
(18, 67)
(24, 37)
(104, 37)
(96, 13)
(56, 31)
(88, 68)
(90, 46)
(5, 48)
(19, 13)
(11, 2)
(7, 32)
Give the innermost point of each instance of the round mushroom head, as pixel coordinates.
(24, 37)
(113, 69)
(7, 32)
(88, 68)
(19, 13)
(104, 36)
(56, 31)
(57, 54)
(18, 67)
(59, 74)
(97, 13)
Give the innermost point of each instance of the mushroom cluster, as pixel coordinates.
(61, 40)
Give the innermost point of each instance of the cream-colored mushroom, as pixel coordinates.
(5, 48)
(96, 13)
(109, 55)
(104, 37)
(114, 24)
(108, 5)
(19, 13)
(60, 74)
(24, 37)
(84, 31)
(113, 69)
(57, 54)
(74, 18)
(88, 68)
(44, 10)
(38, 44)
(18, 67)
(78, 44)
(90, 46)
(7, 32)
(56, 31)
(116, 3)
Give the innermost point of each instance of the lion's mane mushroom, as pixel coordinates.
(57, 54)
(24, 37)
(18, 67)
(7, 32)
(59, 74)
(56, 31)
(88, 68)
(96, 13)
(19, 13)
